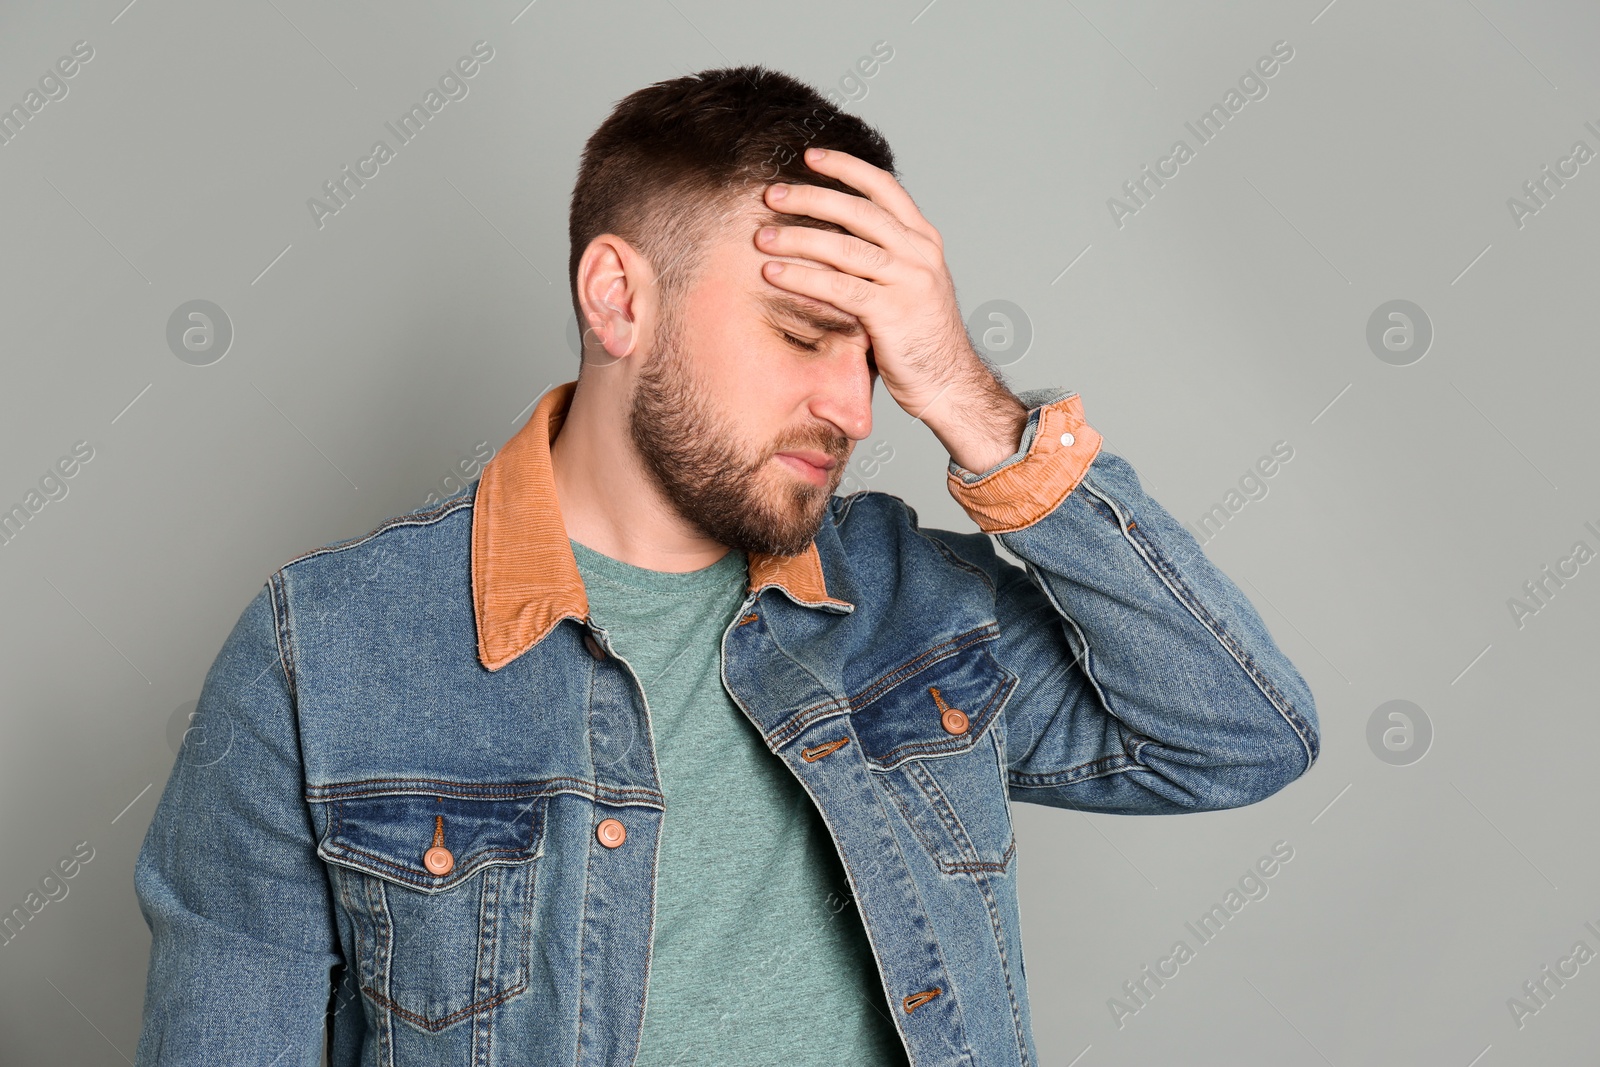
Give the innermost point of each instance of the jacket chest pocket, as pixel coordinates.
(933, 739)
(440, 893)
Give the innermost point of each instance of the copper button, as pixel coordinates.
(593, 646)
(611, 833)
(438, 858)
(954, 720)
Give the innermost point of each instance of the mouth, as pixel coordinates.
(812, 466)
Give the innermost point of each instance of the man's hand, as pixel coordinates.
(889, 272)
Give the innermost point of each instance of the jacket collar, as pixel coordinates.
(524, 577)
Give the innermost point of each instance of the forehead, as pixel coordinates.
(738, 260)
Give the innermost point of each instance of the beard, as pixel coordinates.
(714, 482)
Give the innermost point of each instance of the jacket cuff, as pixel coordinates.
(1056, 449)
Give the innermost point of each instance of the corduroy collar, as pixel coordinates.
(524, 577)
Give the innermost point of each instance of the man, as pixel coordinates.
(645, 748)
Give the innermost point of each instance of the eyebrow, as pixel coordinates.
(811, 314)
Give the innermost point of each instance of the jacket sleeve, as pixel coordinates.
(228, 880)
(1148, 682)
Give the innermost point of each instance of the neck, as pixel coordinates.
(609, 500)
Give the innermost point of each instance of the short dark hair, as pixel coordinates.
(674, 158)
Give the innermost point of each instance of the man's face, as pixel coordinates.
(746, 428)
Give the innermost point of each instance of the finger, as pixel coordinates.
(856, 214)
(848, 293)
(877, 183)
(861, 217)
(838, 250)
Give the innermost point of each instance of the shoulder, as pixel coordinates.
(878, 524)
(430, 534)
(869, 513)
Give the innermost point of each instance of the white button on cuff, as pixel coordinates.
(1067, 439)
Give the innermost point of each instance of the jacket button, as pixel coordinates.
(954, 721)
(593, 646)
(438, 860)
(611, 833)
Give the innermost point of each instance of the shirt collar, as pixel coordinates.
(524, 577)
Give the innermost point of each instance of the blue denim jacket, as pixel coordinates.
(419, 810)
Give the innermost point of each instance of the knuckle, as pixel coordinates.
(875, 256)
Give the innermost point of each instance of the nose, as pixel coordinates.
(845, 398)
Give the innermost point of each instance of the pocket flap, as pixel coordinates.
(901, 718)
(388, 835)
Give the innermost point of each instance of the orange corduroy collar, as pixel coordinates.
(524, 576)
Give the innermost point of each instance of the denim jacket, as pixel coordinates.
(419, 809)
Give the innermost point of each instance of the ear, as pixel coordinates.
(608, 274)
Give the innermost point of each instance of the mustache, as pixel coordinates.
(832, 444)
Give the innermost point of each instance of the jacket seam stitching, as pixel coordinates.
(404, 875)
(998, 926)
(1100, 768)
(883, 976)
(1069, 774)
(916, 665)
(984, 716)
(650, 939)
(501, 791)
(1047, 512)
(1166, 570)
(939, 800)
(1241, 655)
(806, 716)
(435, 1025)
(415, 518)
(957, 559)
(284, 638)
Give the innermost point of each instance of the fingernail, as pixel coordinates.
(779, 192)
(774, 268)
(768, 234)
(816, 153)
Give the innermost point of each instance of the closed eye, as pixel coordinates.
(809, 346)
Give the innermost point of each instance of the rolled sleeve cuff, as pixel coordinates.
(1056, 449)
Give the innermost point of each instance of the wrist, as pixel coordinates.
(984, 428)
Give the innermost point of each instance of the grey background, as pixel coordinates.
(1229, 313)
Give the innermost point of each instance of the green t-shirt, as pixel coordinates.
(760, 956)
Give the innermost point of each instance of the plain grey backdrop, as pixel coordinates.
(1424, 556)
